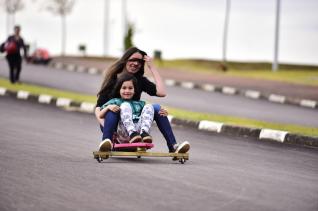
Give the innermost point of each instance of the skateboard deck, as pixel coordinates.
(137, 150)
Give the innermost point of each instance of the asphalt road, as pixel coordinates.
(194, 100)
(46, 163)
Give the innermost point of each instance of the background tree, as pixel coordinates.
(62, 8)
(11, 7)
(129, 36)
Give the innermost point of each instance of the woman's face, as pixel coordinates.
(127, 90)
(134, 63)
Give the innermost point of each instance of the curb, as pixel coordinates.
(262, 134)
(252, 94)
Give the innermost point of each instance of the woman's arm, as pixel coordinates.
(100, 114)
(161, 88)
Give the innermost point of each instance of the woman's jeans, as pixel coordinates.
(112, 119)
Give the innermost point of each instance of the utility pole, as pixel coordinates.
(63, 34)
(124, 20)
(106, 27)
(275, 61)
(225, 30)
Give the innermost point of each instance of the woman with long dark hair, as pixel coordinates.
(133, 61)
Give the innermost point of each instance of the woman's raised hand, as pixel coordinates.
(148, 61)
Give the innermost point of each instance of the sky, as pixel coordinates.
(179, 28)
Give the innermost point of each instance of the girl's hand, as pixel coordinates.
(113, 108)
(163, 112)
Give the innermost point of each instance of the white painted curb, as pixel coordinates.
(228, 90)
(22, 95)
(210, 126)
(308, 103)
(276, 98)
(46, 99)
(71, 68)
(60, 102)
(187, 85)
(81, 69)
(170, 82)
(3, 91)
(58, 65)
(87, 107)
(276, 135)
(208, 87)
(252, 94)
(92, 70)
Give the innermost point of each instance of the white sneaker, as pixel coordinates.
(105, 146)
(182, 148)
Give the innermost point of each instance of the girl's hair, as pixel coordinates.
(121, 79)
(118, 67)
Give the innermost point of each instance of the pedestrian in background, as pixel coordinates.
(12, 46)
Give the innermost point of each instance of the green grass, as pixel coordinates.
(178, 113)
(231, 120)
(301, 77)
(296, 74)
(49, 91)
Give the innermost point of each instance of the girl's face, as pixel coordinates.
(127, 90)
(134, 63)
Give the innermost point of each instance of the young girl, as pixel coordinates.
(136, 116)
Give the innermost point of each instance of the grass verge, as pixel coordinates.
(37, 90)
(296, 74)
(178, 113)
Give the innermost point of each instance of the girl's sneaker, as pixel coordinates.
(135, 137)
(146, 138)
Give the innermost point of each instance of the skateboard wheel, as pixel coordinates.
(99, 159)
(182, 160)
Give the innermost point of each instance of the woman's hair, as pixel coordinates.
(121, 79)
(118, 67)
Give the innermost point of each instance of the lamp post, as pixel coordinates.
(106, 27)
(276, 45)
(124, 19)
(225, 31)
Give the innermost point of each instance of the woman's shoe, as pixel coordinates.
(105, 146)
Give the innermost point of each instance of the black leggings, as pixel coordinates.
(15, 62)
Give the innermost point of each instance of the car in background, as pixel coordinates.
(40, 56)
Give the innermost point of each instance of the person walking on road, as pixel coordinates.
(134, 61)
(12, 46)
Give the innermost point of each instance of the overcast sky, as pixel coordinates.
(180, 28)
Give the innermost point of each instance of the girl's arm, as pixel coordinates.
(161, 88)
